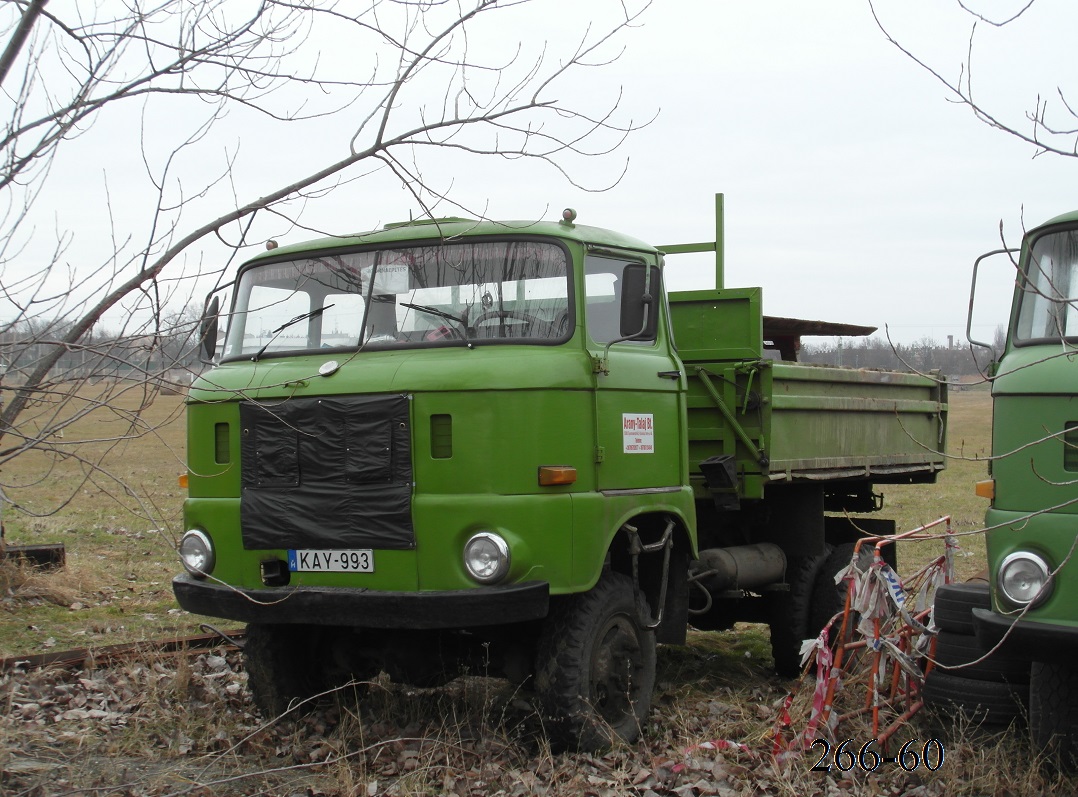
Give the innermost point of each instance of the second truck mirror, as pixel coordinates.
(207, 331)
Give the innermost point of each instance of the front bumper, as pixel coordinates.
(1030, 640)
(366, 608)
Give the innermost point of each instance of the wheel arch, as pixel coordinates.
(661, 576)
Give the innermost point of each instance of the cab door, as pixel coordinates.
(639, 394)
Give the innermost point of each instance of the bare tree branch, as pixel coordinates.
(1039, 126)
(399, 84)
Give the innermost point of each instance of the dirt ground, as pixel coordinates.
(184, 725)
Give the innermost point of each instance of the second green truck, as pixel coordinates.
(454, 443)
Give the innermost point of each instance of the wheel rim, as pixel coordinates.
(616, 662)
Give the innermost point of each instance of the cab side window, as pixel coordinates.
(614, 298)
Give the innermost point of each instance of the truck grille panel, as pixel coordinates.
(330, 472)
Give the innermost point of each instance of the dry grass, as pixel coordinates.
(969, 444)
(177, 726)
(118, 522)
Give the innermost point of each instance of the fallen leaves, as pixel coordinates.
(184, 725)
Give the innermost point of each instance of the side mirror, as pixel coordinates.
(207, 330)
(972, 296)
(639, 304)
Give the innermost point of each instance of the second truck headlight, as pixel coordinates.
(486, 557)
(1023, 577)
(196, 553)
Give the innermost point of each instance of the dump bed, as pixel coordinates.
(754, 420)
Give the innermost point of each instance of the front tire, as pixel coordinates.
(1053, 710)
(595, 666)
(280, 673)
(288, 665)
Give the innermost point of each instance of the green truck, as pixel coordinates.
(1033, 516)
(452, 444)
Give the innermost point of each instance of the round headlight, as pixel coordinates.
(486, 556)
(196, 553)
(1022, 579)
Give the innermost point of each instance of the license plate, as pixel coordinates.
(351, 561)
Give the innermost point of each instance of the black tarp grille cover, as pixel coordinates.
(330, 472)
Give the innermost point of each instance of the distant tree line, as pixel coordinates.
(169, 354)
(951, 358)
(166, 354)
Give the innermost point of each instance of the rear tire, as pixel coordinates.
(789, 612)
(595, 666)
(829, 598)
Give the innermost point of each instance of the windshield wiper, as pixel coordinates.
(286, 325)
(436, 312)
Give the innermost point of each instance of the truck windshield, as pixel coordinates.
(1048, 309)
(421, 296)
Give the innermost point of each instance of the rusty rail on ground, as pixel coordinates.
(114, 654)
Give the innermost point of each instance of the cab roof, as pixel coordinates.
(1070, 217)
(455, 229)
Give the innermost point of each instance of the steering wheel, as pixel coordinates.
(532, 320)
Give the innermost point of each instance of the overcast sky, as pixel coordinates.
(856, 190)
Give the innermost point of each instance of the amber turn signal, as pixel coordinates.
(183, 480)
(986, 489)
(552, 475)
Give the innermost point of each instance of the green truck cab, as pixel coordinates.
(503, 446)
(1033, 517)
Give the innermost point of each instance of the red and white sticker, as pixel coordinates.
(638, 433)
